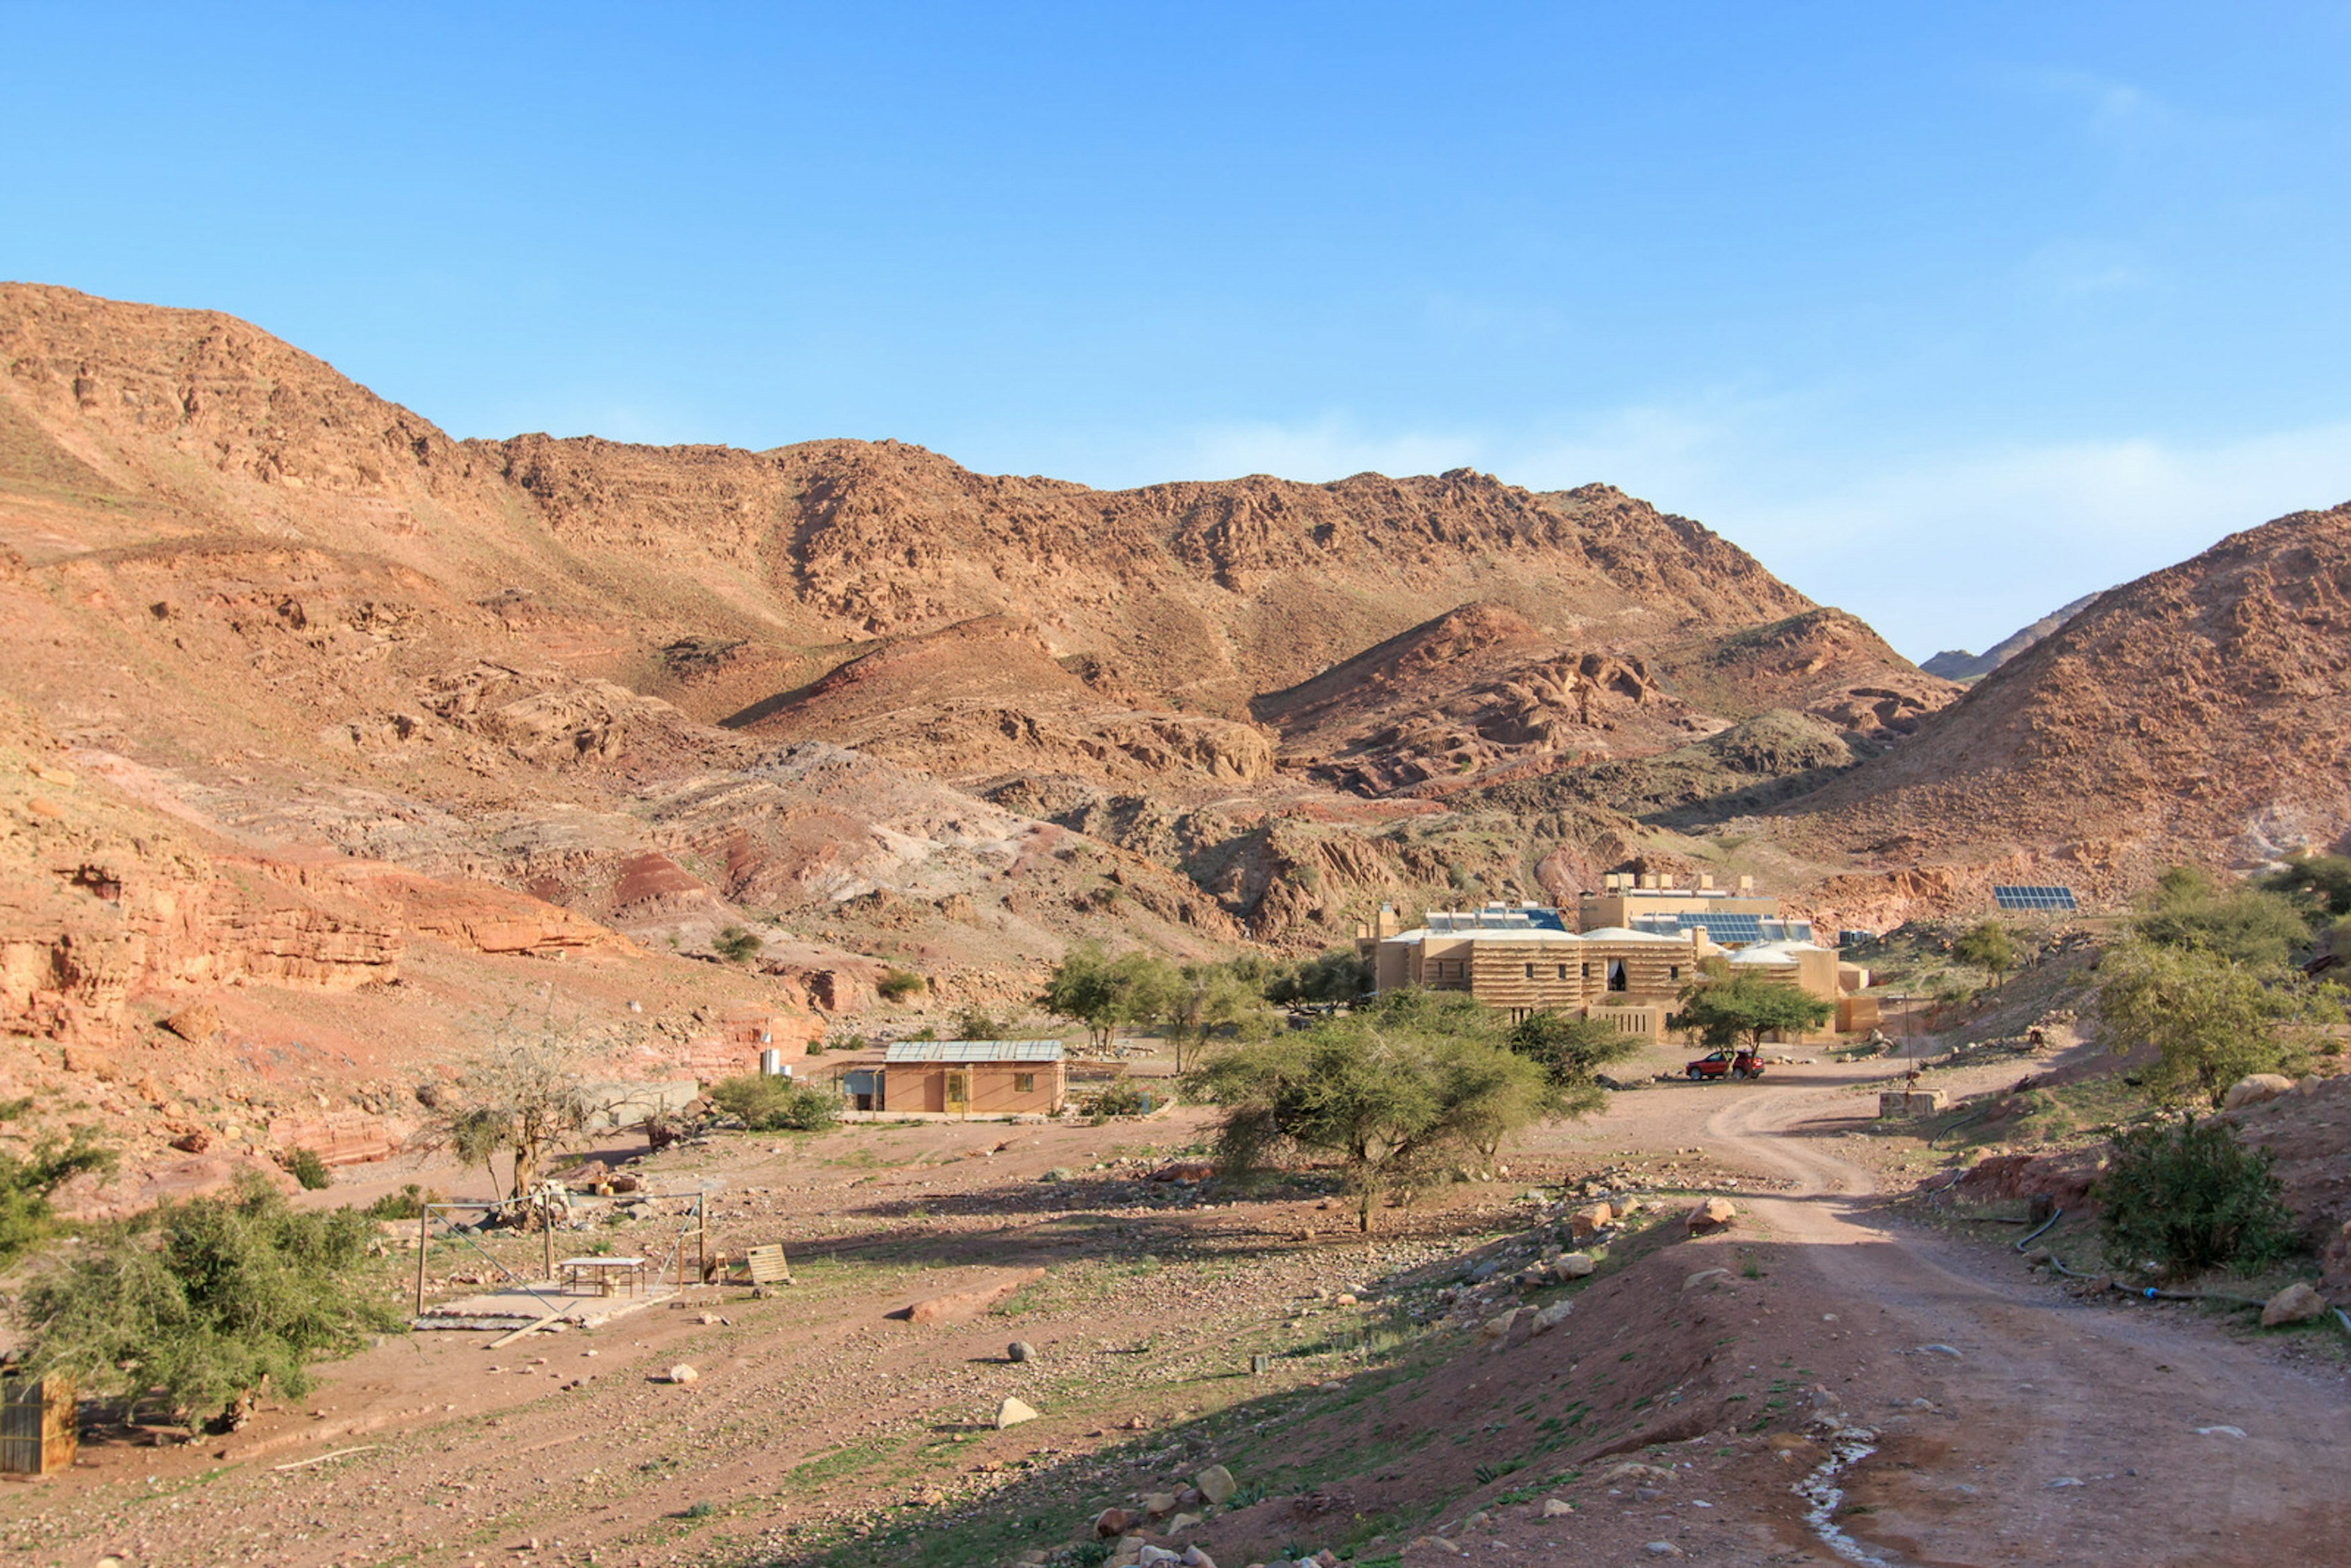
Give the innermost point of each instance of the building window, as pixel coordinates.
(1530, 971)
(1616, 974)
(1563, 971)
(1024, 1083)
(1587, 969)
(1673, 971)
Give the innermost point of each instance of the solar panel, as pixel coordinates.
(1729, 930)
(2038, 899)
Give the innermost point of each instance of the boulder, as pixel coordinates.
(1020, 1349)
(1012, 1412)
(1196, 1558)
(1705, 1276)
(1549, 1318)
(2297, 1303)
(682, 1373)
(1158, 1504)
(1182, 1523)
(1574, 1266)
(1586, 1223)
(1215, 1484)
(1151, 1556)
(1553, 1507)
(1712, 1215)
(1632, 1472)
(1498, 1327)
(1110, 1523)
(2252, 1091)
(197, 1022)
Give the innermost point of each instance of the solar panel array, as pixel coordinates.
(2037, 899)
(1731, 930)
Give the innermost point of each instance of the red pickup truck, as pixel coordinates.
(1716, 1065)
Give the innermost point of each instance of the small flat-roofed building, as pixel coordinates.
(1641, 902)
(972, 1077)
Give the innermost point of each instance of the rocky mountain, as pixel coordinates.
(337, 679)
(1958, 664)
(2199, 713)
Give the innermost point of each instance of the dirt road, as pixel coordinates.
(2060, 1432)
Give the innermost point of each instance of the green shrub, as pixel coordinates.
(898, 984)
(2188, 1198)
(1119, 1098)
(27, 1182)
(408, 1203)
(205, 1300)
(304, 1166)
(776, 1104)
(735, 945)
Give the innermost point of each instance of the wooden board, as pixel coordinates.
(767, 1265)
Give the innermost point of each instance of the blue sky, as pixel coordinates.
(1949, 314)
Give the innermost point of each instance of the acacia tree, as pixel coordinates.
(1203, 998)
(1571, 1050)
(1086, 989)
(1391, 1098)
(1730, 1005)
(528, 1095)
(1989, 947)
(2211, 1019)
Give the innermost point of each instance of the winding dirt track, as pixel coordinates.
(2062, 1433)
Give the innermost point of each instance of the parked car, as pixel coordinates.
(1741, 1064)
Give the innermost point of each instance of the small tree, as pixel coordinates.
(1571, 1050)
(2211, 1019)
(735, 945)
(2191, 1197)
(1389, 1102)
(205, 1300)
(898, 984)
(526, 1095)
(1205, 998)
(1085, 988)
(1733, 1004)
(1339, 975)
(976, 1023)
(1989, 947)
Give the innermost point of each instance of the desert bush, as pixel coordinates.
(306, 1168)
(1338, 975)
(2250, 925)
(735, 945)
(898, 984)
(27, 1181)
(770, 1104)
(976, 1023)
(408, 1203)
(1989, 947)
(2212, 1019)
(205, 1300)
(1119, 1097)
(2189, 1197)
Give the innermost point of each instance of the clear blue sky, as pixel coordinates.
(1948, 313)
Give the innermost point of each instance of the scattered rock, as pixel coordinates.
(1662, 1549)
(2297, 1303)
(1435, 1543)
(197, 1022)
(1158, 1504)
(1574, 1266)
(1012, 1412)
(1498, 1327)
(1196, 1558)
(1553, 1507)
(2252, 1091)
(1586, 1223)
(1182, 1523)
(1215, 1484)
(1712, 1215)
(1703, 1276)
(2220, 1431)
(1112, 1523)
(1020, 1349)
(1150, 1556)
(1549, 1318)
(1635, 1472)
(682, 1373)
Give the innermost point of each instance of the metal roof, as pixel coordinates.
(906, 1050)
